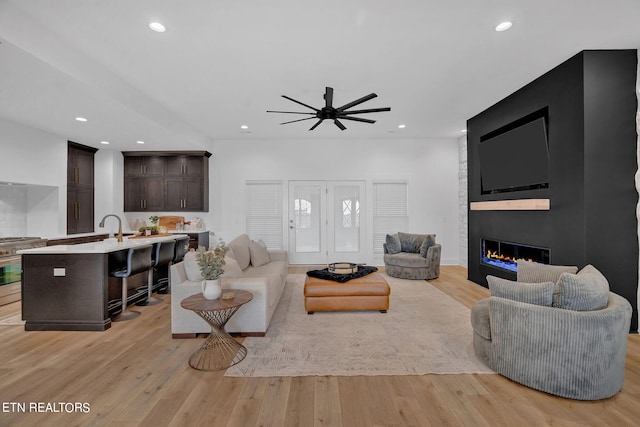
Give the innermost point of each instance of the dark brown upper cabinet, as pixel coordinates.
(162, 181)
(80, 188)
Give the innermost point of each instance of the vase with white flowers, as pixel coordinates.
(211, 263)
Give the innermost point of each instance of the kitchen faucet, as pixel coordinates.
(119, 225)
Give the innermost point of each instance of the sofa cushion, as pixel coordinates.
(231, 268)
(259, 253)
(240, 247)
(480, 320)
(411, 242)
(393, 244)
(429, 240)
(585, 291)
(534, 272)
(191, 267)
(530, 293)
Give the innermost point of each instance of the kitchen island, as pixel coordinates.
(66, 287)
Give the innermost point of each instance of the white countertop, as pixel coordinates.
(187, 231)
(100, 247)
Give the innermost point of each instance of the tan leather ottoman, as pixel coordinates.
(370, 292)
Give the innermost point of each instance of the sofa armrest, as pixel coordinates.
(548, 348)
(278, 255)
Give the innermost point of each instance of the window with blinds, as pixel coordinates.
(264, 212)
(390, 211)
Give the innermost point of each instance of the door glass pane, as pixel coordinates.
(346, 213)
(307, 212)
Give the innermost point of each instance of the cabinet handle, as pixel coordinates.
(145, 203)
(77, 210)
(141, 203)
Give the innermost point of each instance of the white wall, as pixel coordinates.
(429, 166)
(37, 159)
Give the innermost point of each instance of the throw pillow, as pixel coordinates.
(230, 254)
(534, 272)
(429, 240)
(393, 244)
(231, 268)
(411, 242)
(530, 293)
(191, 267)
(259, 253)
(585, 291)
(241, 253)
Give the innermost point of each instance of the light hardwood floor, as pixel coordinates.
(136, 374)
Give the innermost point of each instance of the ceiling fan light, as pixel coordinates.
(157, 27)
(504, 26)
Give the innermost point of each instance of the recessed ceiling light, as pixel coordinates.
(104, 142)
(244, 127)
(157, 27)
(140, 142)
(503, 26)
(81, 119)
(402, 126)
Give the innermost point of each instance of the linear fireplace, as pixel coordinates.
(505, 254)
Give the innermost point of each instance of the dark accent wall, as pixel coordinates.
(592, 107)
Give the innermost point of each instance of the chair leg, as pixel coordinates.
(150, 299)
(125, 314)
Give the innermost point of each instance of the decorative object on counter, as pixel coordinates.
(148, 230)
(137, 223)
(228, 295)
(197, 224)
(211, 265)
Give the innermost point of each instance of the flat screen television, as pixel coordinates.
(516, 158)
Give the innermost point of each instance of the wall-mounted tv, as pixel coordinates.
(515, 157)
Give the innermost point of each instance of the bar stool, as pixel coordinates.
(138, 260)
(163, 253)
(182, 247)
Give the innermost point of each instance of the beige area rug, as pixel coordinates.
(424, 332)
(12, 321)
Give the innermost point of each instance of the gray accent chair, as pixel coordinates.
(412, 256)
(528, 333)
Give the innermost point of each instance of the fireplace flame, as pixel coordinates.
(494, 255)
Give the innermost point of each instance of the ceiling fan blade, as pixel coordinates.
(357, 119)
(328, 97)
(299, 120)
(289, 112)
(340, 125)
(298, 102)
(371, 110)
(316, 125)
(357, 101)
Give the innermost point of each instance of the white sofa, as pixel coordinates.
(266, 283)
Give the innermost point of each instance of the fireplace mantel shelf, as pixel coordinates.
(512, 205)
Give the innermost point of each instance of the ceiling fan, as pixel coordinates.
(329, 112)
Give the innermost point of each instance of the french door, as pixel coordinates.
(326, 222)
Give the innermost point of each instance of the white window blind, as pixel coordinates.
(264, 212)
(390, 211)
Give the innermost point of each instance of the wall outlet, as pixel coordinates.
(59, 272)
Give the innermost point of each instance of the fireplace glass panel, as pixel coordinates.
(505, 254)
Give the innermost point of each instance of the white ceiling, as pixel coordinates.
(223, 63)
